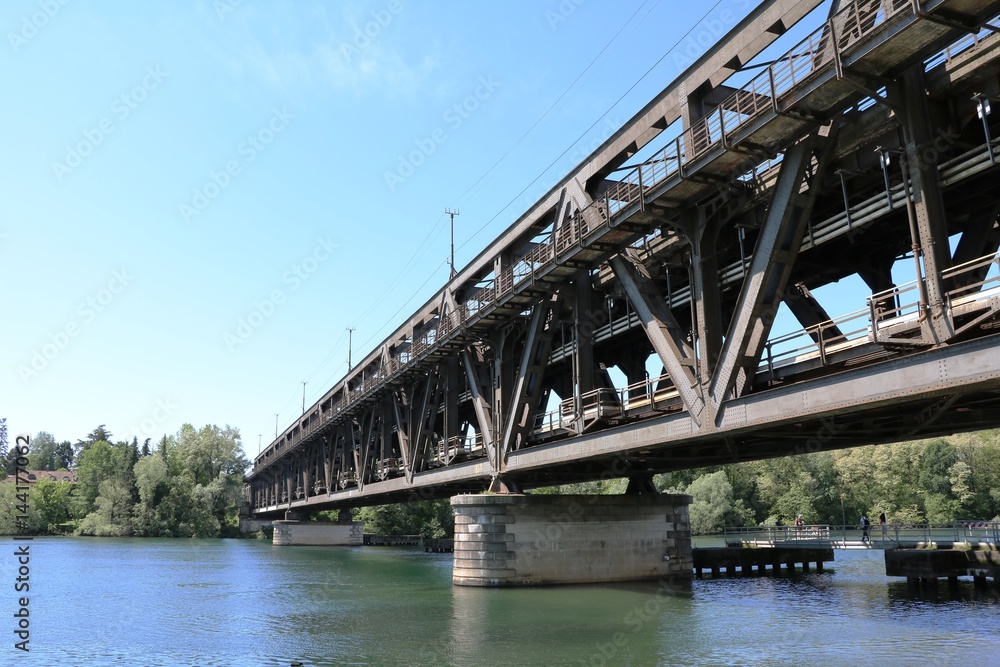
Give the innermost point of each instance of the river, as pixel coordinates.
(150, 602)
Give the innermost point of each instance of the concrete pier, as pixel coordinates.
(531, 540)
(927, 565)
(318, 533)
(758, 560)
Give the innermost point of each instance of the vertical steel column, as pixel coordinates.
(584, 321)
(451, 392)
(925, 184)
(703, 235)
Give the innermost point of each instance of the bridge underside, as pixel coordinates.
(866, 155)
(903, 401)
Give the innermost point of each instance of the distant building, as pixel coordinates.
(33, 476)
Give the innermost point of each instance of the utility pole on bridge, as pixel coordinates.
(451, 257)
(350, 330)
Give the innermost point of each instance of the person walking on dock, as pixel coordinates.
(885, 528)
(865, 525)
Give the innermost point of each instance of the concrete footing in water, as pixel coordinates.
(318, 533)
(927, 565)
(758, 560)
(529, 540)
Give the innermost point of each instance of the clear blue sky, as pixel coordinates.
(171, 169)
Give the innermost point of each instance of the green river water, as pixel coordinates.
(96, 602)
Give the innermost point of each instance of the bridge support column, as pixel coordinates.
(531, 540)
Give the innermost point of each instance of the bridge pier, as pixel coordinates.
(318, 533)
(531, 540)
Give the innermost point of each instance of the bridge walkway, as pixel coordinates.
(976, 534)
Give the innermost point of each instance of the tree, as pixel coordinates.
(152, 482)
(712, 507)
(98, 463)
(113, 514)
(937, 457)
(433, 518)
(42, 453)
(64, 455)
(212, 451)
(13, 519)
(52, 499)
(99, 434)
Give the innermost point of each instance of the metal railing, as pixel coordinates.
(816, 342)
(956, 532)
(890, 311)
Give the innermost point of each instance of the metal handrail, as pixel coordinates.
(961, 532)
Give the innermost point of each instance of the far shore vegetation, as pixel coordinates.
(191, 485)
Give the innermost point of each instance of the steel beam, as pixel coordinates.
(777, 246)
(666, 336)
(481, 390)
(523, 401)
(705, 289)
(928, 203)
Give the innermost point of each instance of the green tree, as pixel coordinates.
(43, 452)
(937, 457)
(13, 519)
(113, 514)
(713, 507)
(432, 518)
(52, 499)
(99, 434)
(64, 455)
(99, 462)
(212, 451)
(152, 483)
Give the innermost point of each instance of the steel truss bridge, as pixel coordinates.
(865, 150)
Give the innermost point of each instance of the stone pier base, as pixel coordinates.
(318, 533)
(531, 540)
